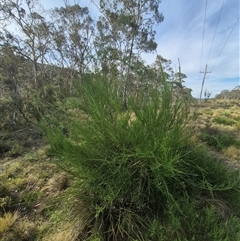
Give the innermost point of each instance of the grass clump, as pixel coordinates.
(220, 140)
(7, 221)
(138, 171)
(225, 120)
(232, 152)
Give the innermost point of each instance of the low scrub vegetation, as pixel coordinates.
(151, 172)
(219, 139)
(139, 172)
(224, 120)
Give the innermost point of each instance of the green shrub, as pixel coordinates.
(135, 166)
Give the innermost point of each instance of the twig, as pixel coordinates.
(13, 132)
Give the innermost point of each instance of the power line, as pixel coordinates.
(98, 7)
(226, 41)
(215, 31)
(203, 33)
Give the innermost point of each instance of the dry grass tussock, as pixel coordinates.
(7, 221)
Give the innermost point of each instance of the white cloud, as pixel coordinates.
(180, 36)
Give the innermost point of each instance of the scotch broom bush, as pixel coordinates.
(139, 173)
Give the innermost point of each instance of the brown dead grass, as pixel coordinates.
(7, 221)
(34, 199)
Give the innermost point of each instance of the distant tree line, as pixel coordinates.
(44, 53)
(233, 94)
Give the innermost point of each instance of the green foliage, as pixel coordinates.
(3, 147)
(198, 223)
(219, 140)
(31, 197)
(73, 35)
(134, 167)
(225, 120)
(16, 150)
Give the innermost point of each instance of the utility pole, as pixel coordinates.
(205, 73)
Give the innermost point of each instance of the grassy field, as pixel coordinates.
(37, 197)
(218, 126)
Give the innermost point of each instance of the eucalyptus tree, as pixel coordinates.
(27, 32)
(73, 34)
(175, 78)
(225, 94)
(235, 93)
(12, 83)
(31, 36)
(161, 64)
(125, 30)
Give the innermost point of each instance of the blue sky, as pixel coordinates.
(180, 35)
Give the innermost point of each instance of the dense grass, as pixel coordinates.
(138, 171)
(225, 120)
(219, 139)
